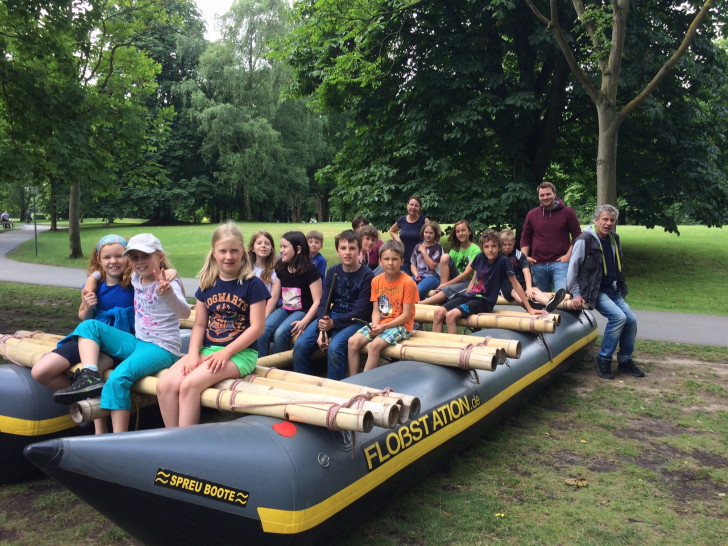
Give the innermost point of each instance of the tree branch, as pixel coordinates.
(553, 25)
(672, 61)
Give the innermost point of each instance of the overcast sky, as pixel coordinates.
(209, 9)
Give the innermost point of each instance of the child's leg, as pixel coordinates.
(438, 319)
(192, 386)
(356, 342)
(51, 370)
(168, 388)
(272, 322)
(444, 268)
(437, 299)
(427, 284)
(451, 320)
(375, 349)
(282, 337)
(147, 359)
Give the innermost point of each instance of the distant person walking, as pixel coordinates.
(547, 238)
(28, 217)
(595, 277)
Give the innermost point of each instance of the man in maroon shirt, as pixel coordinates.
(547, 238)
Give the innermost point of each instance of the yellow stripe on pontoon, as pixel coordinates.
(297, 521)
(28, 427)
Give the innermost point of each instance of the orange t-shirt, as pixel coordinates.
(391, 296)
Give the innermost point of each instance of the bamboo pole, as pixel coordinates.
(556, 319)
(531, 323)
(21, 352)
(85, 411)
(457, 357)
(410, 404)
(49, 338)
(312, 390)
(360, 420)
(420, 343)
(512, 347)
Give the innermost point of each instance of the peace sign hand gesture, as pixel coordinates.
(162, 282)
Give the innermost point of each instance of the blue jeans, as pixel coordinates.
(337, 358)
(278, 325)
(553, 273)
(427, 284)
(621, 326)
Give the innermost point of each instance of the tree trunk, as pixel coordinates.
(322, 208)
(74, 221)
(607, 153)
(53, 208)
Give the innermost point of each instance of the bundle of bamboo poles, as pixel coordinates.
(291, 396)
(509, 320)
(522, 322)
(268, 391)
(565, 305)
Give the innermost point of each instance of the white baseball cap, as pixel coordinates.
(144, 242)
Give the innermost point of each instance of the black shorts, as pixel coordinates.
(506, 290)
(69, 351)
(469, 305)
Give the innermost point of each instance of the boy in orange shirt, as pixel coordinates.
(395, 295)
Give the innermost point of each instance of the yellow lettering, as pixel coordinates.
(399, 445)
(207, 489)
(464, 404)
(404, 434)
(382, 458)
(436, 420)
(173, 480)
(369, 455)
(455, 410)
(423, 420)
(416, 430)
(185, 483)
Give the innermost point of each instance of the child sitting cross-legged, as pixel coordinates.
(394, 295)
(519, 264)
(490, 269)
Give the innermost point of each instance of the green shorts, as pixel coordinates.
(245, 360)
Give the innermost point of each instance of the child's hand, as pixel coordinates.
(418, 278)
(538, 312)
(89, 298)
(325, 324)
(323, 341)
(297, 327)
(376, 330)
(162, 282)
(192, 361)
(170, 274)
(216, 361)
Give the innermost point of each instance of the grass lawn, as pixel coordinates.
(665, 272)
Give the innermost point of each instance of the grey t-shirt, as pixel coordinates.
(156, 316)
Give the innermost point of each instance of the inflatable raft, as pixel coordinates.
(266, 480)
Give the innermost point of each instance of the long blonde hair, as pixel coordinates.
(270, 262)
(210, 271)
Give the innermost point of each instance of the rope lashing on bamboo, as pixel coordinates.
(463, 354)
(6, 337)
(330, 413)
(532, 320)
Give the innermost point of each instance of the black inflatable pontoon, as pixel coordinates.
(263, 480)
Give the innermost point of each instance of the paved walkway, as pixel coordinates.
(652, 325)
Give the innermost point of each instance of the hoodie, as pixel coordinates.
(550, 232)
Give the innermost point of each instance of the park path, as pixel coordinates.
(652, 325)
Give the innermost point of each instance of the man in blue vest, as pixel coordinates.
(595, 278)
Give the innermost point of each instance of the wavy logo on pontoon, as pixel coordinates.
(203, 488)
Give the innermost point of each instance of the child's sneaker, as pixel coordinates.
(88, 384)
(630, 368)
(555, 300)
(534, 304)
(604, 368)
